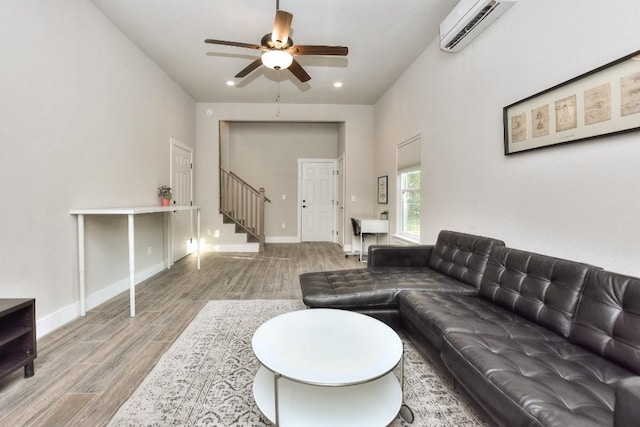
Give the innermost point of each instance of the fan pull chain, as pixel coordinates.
(278, 95)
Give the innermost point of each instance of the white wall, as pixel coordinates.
(358, 142)
(86, 122)
(579, 201)
(266, 155)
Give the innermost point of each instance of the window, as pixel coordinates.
(410, 200)
(408, 170)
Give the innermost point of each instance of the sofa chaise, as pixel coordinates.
(534, 340)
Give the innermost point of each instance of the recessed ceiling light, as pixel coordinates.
(337, 84)
(231, 83)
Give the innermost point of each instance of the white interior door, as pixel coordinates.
(317, 200)
(181, 183)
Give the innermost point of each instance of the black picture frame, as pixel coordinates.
(601, 102)
(383, 189)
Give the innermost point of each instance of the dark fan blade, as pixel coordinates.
(281, 28)
(236, 44)
(249, 68)
(318, 50)
(299, 72)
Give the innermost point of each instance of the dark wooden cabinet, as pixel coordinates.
(17, 336)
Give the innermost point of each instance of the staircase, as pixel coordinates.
(242, 205)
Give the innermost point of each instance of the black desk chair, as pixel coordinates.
(358, 233)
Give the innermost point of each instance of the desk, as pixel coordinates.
(372, 226)
(130, 212)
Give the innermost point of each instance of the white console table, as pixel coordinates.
(130, 213)
(372, 226)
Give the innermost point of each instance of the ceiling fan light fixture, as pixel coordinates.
(275, 39)
(277, 59)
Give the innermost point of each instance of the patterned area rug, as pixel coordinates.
(206, 377)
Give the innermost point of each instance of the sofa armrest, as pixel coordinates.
(627, 406)
(399, 256)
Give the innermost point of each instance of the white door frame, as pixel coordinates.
(176, 143)
(299, 210)
(339, 205)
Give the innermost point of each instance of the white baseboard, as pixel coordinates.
(53, 321)
(241, 247)
(282, 239)
(120, 286)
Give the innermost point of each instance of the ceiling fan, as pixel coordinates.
(278, 50)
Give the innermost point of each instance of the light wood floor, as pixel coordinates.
(89, 367)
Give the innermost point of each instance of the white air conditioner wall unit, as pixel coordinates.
(467, 20)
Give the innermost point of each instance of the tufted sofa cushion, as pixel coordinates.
(608, 318)
(399, 256)
(627, 410)
(432, 315)
(537, 287)
(371, 288)
(462, 256)
(546, 383)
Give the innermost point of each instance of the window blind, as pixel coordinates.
(409, 155)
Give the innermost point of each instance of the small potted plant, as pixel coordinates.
(165, 195)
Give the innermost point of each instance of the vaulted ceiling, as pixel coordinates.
(384, 38)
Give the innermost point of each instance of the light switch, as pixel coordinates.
(284, 197)
(353, 197)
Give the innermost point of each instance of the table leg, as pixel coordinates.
(169, 233)
(405, 411)
(276, 378)
(402, 372)
(29, 370)
(198, 237)
(81, 267)
(132, 268)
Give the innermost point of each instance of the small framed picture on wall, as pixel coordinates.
(383, 187)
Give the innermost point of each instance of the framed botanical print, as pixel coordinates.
(383, 187)
(602, 102)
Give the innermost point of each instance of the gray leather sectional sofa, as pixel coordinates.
(535, 340)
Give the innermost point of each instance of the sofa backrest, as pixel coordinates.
(608, 318)
(542, 289)
(462, 256)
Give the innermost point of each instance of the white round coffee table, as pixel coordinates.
(325, 367)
